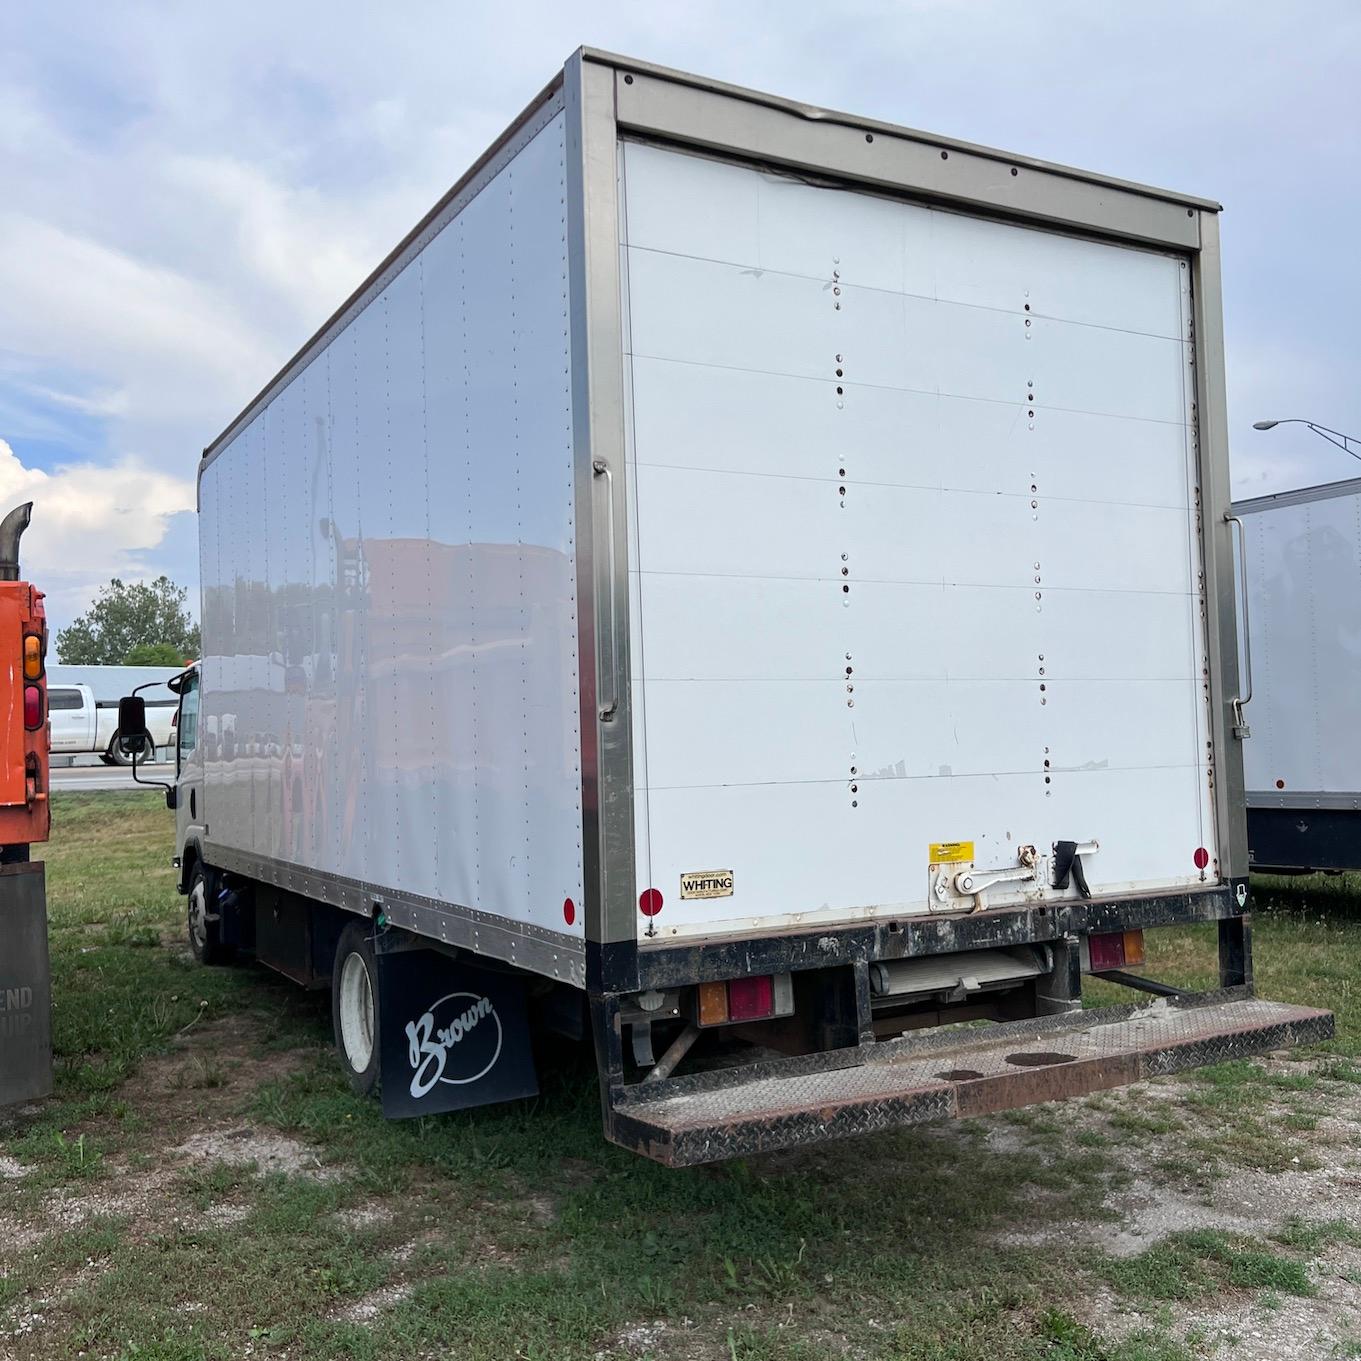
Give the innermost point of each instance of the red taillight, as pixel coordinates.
(33, 707)
(751, 999)
(1107, 952)
(1115, 950)
(1201, 857)
(744, 999)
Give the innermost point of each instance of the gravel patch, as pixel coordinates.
(369, 1307)
(1249, 1326)
(368, 1216)
(241, 1147)
(1144, 1209)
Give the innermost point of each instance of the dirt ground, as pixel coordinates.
(204, 1186)
(1172, 1170)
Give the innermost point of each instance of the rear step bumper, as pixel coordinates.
(941, 1074)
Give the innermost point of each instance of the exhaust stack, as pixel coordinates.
(11, 531)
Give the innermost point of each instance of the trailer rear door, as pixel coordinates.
(914, 553)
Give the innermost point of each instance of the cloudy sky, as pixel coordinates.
(187, 191)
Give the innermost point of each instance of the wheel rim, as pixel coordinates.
(356, 1012)
(198, 916)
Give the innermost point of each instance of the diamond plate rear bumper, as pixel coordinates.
(936, 1075)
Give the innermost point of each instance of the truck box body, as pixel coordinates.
(1302, 553)
(723, 540)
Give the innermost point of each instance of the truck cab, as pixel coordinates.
(71, 710)
(185, 796)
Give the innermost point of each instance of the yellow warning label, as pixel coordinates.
(707, 884)
(950, 852)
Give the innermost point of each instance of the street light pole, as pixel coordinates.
(1343, 442)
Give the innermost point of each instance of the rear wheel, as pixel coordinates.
(354, 1006)
(115, 756)
(205, 925)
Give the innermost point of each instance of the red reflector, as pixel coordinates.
(569, 911)
(1201, 857)
(650, 902)
(33, 707)
(751, 999)
(1107, 951)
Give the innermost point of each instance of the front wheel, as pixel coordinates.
(354, 1006)
(205, 923)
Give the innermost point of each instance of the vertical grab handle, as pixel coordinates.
(607, 709)
(1240, 728)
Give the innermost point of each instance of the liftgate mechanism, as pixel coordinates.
(1034, 871)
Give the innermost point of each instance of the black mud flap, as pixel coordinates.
(25, 985)
(451, 1035)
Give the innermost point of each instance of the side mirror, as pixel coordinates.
(134, 737)
(172, 800)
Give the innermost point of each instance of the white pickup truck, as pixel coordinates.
(82, 723)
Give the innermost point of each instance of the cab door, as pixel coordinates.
(71, 711)
(188, 763)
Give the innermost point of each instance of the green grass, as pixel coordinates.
(1190, 1266)
(522, 1233)
(118, 995)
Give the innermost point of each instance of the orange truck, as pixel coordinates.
(25, 816)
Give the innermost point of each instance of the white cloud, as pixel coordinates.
(160, 343)
(90, 522)
(290, 240)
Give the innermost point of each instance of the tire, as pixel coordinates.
(114, 757)
(205, 937)
(354, 1006)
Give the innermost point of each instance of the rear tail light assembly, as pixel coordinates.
(33, 706)
(33, 656)
(756, 998)
(34, 650)
(1115, 950)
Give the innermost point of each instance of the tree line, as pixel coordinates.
(132, 623)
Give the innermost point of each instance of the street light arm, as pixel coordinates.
(1343, 442)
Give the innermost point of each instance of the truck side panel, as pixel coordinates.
(390, 667)
(1303, 601)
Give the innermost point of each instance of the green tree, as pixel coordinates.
(128, 615)
(157, 654)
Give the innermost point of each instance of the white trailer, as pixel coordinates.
(762, 574)
(1302, 569)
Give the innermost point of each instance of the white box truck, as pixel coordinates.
(1302, 599)
(750, 584)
